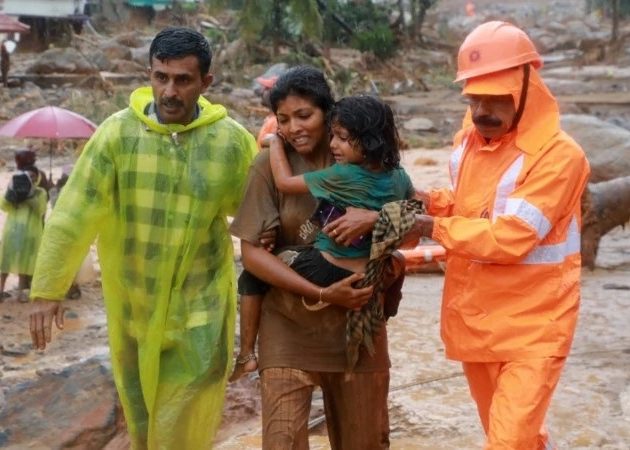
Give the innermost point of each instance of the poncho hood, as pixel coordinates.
(143, 96)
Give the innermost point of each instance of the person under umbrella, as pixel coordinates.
(25, 205)
(26, 160)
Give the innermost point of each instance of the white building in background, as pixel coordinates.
(43, 8)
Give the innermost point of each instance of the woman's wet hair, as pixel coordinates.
(302, 81)
(370, 123)
(179, 42)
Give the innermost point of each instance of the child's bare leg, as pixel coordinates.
(249, 322)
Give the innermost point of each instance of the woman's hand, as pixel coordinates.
(343, 294)
(354, 223)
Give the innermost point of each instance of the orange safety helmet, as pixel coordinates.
(495, 46)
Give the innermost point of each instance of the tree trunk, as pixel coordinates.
(277, 21)
(401, 16)
(605, 206)
(615, 21)
(413, 10)
(423, 6)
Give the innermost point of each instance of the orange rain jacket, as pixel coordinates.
(511, 227)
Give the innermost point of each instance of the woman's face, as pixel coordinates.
(302, 124)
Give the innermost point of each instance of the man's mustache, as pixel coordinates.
(171, 102)
(487, 121)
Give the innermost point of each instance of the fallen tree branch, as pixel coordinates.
(605, 206)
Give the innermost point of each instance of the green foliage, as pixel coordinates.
(280, 19)
(441, 76)
(379, 40)
(369, 23)
(220, 5)
(605, 6)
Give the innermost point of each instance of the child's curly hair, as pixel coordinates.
(370, 123)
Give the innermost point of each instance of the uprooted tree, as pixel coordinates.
(605, 206)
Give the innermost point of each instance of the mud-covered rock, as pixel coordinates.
(76, 407)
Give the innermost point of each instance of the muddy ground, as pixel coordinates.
(429, 403)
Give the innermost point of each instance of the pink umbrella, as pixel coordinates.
(49, 122)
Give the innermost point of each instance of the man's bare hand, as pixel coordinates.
(41, 317)
(354, 223)
(422, 227)
(343, 294)
(424, 197)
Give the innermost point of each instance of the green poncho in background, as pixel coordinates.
(156, 197)
(22, 233)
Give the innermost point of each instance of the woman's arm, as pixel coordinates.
(270, 269)
(282, 174)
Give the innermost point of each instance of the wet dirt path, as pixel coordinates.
(430, 407)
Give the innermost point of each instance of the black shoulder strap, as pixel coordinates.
(521, 102)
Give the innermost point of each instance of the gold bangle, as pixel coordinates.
(316, 306)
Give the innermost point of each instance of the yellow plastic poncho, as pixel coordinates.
(22, 233)
(157, 196)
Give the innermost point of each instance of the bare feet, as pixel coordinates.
(244, 364)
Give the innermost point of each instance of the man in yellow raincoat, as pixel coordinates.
(154, 185)
(511, 226)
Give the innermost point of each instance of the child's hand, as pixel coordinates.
(267, 239)
(267, 138)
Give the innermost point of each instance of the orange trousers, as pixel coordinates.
(512, 399)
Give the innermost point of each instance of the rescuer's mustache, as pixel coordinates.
(487, 121)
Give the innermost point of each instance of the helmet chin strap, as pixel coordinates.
(521, 101)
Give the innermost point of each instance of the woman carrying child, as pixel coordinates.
(302, 347)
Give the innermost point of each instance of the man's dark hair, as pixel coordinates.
(179, 42)
(302, 81)
(370, 123)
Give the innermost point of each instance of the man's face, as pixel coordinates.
(177, 84)
(492, 114)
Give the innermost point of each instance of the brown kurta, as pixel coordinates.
(290, 335)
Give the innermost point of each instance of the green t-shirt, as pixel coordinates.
(346, 185)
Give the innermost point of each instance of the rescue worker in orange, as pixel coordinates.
(511, 226)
